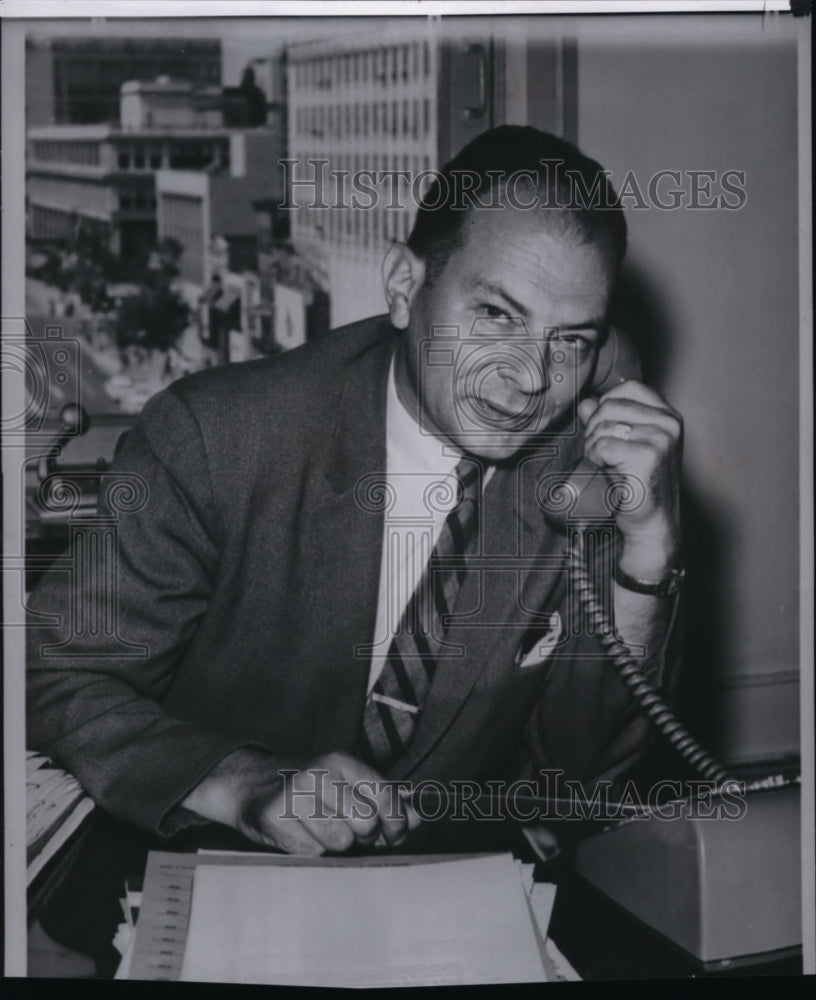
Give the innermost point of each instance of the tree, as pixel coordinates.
(162, 265)
(94, 263)
(154, 319)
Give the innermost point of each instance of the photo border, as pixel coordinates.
(17, 20)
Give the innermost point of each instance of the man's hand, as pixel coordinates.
(328, 804)
(633, 432)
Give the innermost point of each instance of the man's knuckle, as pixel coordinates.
(336, 835)
(659, 437)
(332, 761)
(365, 825)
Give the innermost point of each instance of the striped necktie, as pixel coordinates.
(392, 711)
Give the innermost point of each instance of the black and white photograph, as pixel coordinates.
(407, 493)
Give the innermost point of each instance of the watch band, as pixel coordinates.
(669, 585)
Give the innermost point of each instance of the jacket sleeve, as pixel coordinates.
(120, 621)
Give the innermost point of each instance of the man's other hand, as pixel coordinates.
(330, 803)
(633, 432)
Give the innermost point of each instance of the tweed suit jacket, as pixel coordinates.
(247, 589)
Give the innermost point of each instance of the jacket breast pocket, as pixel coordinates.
(538, 644)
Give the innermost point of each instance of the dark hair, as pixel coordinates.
(573, 190)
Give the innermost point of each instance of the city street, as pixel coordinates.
(86, 383)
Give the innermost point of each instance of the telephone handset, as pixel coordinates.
(618, 360)
(585, 487)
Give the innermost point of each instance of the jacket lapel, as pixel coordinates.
(343, 535)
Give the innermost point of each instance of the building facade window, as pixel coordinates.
(369, 108)
(81, 153)
(182, 217)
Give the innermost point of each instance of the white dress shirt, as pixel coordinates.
(415, 461)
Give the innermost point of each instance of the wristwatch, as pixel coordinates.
(669, 585)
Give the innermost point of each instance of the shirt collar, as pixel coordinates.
(408, 447)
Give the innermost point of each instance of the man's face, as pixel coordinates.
(499, 348)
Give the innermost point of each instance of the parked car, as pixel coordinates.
(71, 469)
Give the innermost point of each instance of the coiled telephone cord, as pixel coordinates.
(641, 688)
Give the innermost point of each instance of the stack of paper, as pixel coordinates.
(56, 806)
(341, 922)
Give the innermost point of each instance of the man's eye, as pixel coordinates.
(498, 315)
(576, 347)
(494, 312)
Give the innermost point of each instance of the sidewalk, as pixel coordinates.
(108, 362)
(46, 300)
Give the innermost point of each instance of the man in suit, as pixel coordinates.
(258, 583)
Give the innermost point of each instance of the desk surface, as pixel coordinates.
(82, 910)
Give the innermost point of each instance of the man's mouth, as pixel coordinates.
(504, 415)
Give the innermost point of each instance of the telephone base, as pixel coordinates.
(726, 891)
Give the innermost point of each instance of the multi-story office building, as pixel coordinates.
(77, 80)
(103, 177)
(213, 214)
(358, 116)
(194, 206)
(398, 108)
(168, 103)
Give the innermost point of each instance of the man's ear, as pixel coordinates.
(403, 276)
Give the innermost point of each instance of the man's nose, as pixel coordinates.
(525, 369)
